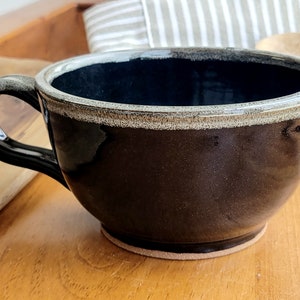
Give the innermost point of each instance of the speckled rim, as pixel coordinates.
(170, 117)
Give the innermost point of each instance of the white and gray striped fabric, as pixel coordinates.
(116, 25)
(127, 24)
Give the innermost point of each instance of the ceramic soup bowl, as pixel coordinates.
(180, 153)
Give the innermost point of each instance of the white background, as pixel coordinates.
(10, 5)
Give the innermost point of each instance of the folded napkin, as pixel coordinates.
(118, 24)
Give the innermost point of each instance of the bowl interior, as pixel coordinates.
(179, 82)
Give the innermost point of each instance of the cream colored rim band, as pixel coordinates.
(169, 117)
(183, 119)
(182, 256)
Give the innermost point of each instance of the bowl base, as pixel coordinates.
(200, 251)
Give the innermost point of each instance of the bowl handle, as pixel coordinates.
(19, 154)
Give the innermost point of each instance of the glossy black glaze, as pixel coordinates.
(19, 154)
(217, 184)
(206, 247)
(179, 82)
(26, 156)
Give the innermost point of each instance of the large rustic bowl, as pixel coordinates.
(180, 153)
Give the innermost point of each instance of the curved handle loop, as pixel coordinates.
(19, 154)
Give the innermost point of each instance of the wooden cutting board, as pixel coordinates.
(287, 43)
(22, 123)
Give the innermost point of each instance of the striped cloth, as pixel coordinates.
(116, 25)
(127, 24)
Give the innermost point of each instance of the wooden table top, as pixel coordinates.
(51, 247)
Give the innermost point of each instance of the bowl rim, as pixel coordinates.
(210, 116)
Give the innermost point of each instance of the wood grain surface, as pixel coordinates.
(287, 43)
(38, 10)
(49, 37)
(51, 247)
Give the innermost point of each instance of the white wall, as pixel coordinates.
(10, 5)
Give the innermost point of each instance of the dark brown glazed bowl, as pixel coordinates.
(180, 153)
